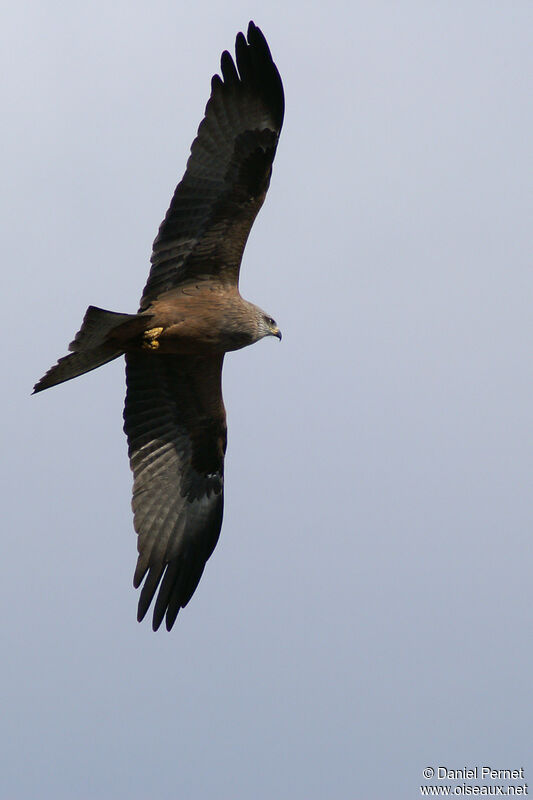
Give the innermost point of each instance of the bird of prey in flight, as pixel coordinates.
(191, 314)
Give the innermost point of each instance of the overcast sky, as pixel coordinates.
(368, 610)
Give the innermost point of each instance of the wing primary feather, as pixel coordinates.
(147, 592)
(168, 586)
(216, 83)
(243, 57)
(267, 77)
(229, 72)
(140, 570)
(172, 611)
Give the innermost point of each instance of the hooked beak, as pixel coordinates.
(276, 332)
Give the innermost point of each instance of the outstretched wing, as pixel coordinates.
(228, 172)
(175, 422)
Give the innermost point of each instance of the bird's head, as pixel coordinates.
(269, 326)
(246, 323)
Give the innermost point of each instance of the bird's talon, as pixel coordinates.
(150, 338)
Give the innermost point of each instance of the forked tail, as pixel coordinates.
(100, 339)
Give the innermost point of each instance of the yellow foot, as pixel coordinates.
(150, 338)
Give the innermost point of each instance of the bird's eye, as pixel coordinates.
(270, 321)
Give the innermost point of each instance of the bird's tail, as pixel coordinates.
(100, 339)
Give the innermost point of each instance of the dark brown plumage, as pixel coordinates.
(191, 314)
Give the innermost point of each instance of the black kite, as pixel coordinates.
(191, 314)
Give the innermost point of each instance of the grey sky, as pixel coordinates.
(368, 610)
